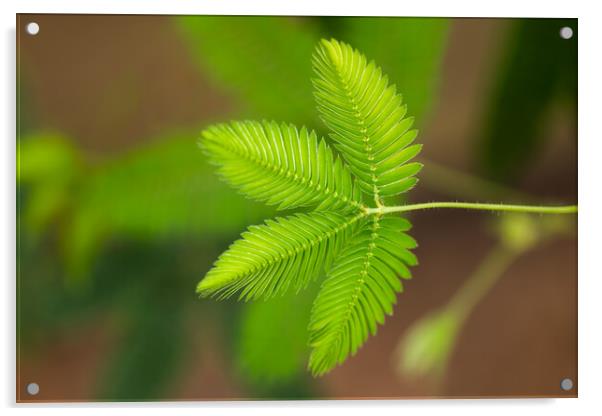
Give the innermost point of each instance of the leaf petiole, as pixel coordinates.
(565, 209)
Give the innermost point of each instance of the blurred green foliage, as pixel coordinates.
(129, 297)
(277, 352)
(48, 163)
(89, 223)
(263, 60)
(164, 190)
(152, 329)
(538, 69)
(132, 234)
(153, 333)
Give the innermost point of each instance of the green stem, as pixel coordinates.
(482, 280)
(566, 209)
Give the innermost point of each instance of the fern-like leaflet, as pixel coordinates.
(270, 258)
(362, 252)
(281, 165)
(367, 120)
(360, 290)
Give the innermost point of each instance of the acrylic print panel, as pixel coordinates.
(133, 180)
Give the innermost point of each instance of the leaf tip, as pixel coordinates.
(332, 48)
(205, 287)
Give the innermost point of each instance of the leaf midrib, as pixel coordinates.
(360, 281)
(304, 247)
(361, 121)
(280, 172)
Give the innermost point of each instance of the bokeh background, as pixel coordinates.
(119, 214)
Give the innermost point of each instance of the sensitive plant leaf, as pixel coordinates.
(367, 119)
(283, 253)
(280, 165)
(359, 291)
(362, 257)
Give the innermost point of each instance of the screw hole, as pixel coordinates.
(566, 32)
(566, 384)
(32, 28)
(33, 389)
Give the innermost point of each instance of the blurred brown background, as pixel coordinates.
(116, 83)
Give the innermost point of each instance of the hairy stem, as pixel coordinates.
(566, 209)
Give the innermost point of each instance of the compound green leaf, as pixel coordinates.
(359, 291)
(283, 253)
(367, 119)
(281, 165)
(363, 259)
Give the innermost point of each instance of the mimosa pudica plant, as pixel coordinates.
(351, 235)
